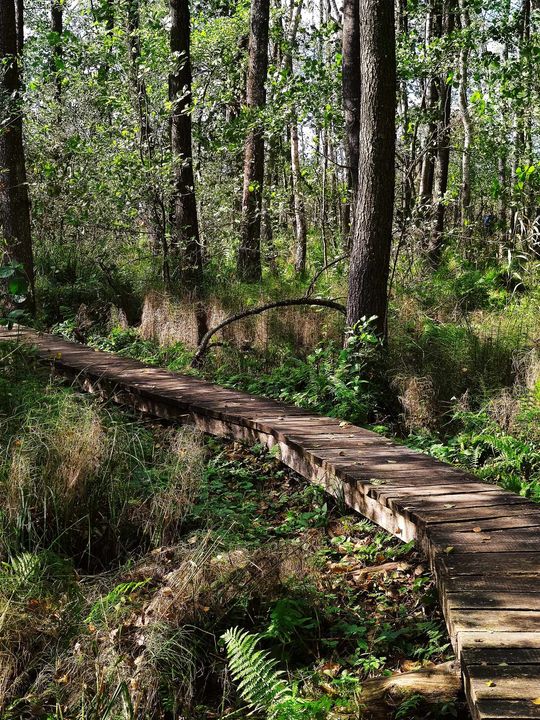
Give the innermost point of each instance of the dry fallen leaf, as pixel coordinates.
(477, 529)
(448, 549)
(536, 701)
(331, 669)
(490, 683)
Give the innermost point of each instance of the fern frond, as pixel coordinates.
(260, 684)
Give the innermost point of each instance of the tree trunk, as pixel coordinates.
(154, 216)
(185, 244)
(57, 28)
(204, 342)
(14, 199)
(466, 120)
(437, 685)
(300, 227)
(298, 202)
(370, 256)
(442, 164)
(427, 175)
(351, 104)
(249, 253)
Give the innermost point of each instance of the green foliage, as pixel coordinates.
(339, 382)
(113, 600)
(72, 471)
(13, 293)
(261, 685)
(484, 447)
(128, 343)
(290, 618)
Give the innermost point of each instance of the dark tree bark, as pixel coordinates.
(249, 253)
(436, 243)
(408, 135)
(370, 255)
(298, 203)
(467, 122)
(204, 343)
(57, 28)
(300, 225)
(185, 242)
(14, 199)
(139, 85)
(351, 103)
(427, 175)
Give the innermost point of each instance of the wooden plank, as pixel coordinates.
(499, 582)
(522, 520)
(480, 646)
(500, 620)
(513, 682)
(495, 709)
(494, 600)
(510, 563)
(425, 518)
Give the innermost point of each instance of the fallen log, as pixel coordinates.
(436, 684)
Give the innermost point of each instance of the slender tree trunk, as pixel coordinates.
(442, 164)
(300, 226)
(14, 199)
(185, 245)
(502, 162)
(351, 104)
(298, 202)
(154, 216)
(466, 120)
(249, 253)
(427, 175)
(370, 256)
(57, 28)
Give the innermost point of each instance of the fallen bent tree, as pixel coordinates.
(204, 344)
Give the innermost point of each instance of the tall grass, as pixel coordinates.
(77, 478)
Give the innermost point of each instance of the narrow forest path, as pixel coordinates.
(483, 543)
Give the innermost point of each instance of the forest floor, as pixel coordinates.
(130, 547)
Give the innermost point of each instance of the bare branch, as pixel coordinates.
(203, 345)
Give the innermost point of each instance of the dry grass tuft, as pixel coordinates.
(417, 398)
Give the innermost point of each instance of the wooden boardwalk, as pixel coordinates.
(483, 543)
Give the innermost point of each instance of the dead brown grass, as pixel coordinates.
(166, 321)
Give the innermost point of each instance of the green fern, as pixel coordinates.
(101, 608)
(259, 683)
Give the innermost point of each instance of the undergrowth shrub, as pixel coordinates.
(500, 442)
(346, 382)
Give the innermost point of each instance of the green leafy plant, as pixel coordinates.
(343, 382)
(13, 293)
(261, 685)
